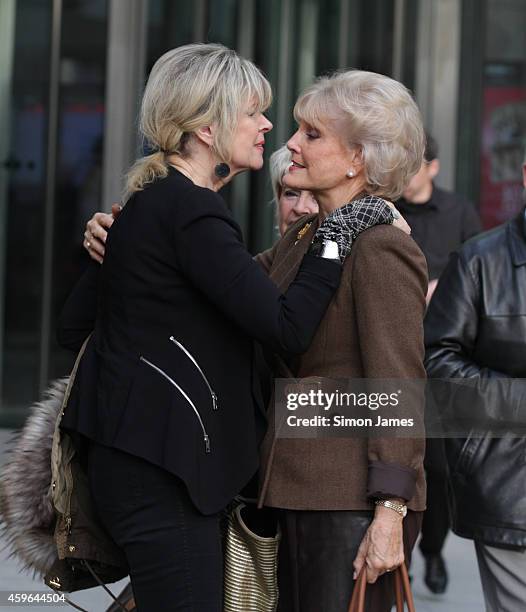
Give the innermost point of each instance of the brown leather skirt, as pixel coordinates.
(316, 555)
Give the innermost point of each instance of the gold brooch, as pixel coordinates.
(302, 232)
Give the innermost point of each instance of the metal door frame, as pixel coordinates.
(51, 180)
(437, 78)
(7, 43)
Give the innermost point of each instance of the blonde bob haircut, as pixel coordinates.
(188, 88)
(376, 114)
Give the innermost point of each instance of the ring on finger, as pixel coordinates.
(88, 244)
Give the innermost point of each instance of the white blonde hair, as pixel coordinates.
(375, 113)
(279, 162)
(190, 87)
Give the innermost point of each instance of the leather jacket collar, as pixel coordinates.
(517, 238)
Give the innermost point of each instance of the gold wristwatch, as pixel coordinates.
(400, 508)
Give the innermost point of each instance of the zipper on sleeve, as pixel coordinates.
(206, 437)
(215, 401)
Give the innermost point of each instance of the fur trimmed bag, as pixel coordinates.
(26, 506)
(44, 501)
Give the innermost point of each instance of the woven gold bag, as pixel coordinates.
(250, 580)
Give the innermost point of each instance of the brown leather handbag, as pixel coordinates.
(402, 591)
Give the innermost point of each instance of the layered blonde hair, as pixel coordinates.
(190, 87)
(375, 113)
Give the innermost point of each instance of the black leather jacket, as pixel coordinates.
(476, 328)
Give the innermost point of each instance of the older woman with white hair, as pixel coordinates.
(291, 204)
(169, 412)
(346, 503)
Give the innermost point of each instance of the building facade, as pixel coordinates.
(71, 74)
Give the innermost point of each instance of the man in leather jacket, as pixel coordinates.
(476, 329)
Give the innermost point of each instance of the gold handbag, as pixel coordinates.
(250, 579)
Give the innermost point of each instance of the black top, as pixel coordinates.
(440, 226)
(168, 375)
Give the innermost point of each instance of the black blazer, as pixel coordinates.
(168, 374)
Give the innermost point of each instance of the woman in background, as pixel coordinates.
(291, 204)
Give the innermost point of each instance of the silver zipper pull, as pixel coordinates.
(215, 399)
(182, 392)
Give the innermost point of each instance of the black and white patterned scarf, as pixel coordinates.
(344, 224)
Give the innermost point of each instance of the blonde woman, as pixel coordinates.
(170, 409)
(343, 502)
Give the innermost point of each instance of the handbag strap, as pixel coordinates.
(97, 579)
(357, 603)
(402, 591)
(74, 372)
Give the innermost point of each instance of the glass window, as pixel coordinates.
(22, 204)
(372, 30)
(29, 351)
(328, 43)
(222, 26)
(170, 23)
(79, 151)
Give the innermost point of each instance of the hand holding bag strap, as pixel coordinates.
(402, 591)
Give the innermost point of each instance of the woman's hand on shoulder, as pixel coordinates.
(97, 231)
(382, 548)
(399, 220)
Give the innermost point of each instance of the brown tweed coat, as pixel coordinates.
(373, 328)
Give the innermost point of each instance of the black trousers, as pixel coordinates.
(436, 523)
(173, 551)
(316, 554)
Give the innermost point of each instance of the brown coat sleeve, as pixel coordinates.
(266, 258)
(389, 284)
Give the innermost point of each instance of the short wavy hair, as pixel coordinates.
(279, 161)
(190, 87)
(376, 113)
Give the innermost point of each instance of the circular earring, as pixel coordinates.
(222, 170)
(350, 173)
